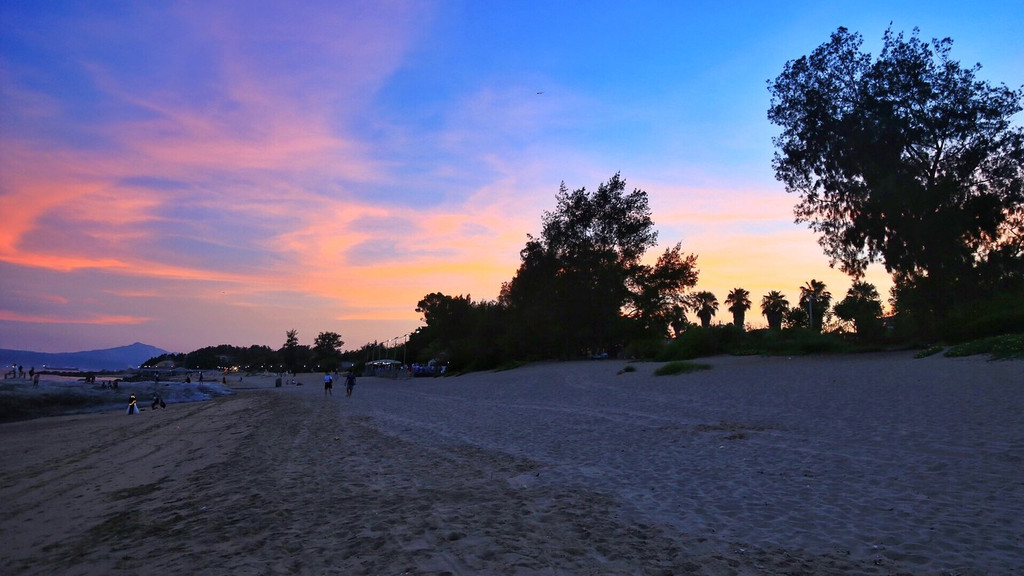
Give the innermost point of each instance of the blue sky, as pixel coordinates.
(189, 174)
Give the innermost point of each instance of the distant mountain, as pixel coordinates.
(108, 359)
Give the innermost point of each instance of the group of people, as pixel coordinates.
(19, 372)
(350, 383)
(133, 403)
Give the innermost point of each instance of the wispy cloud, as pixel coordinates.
(94, 319)
(221, 172)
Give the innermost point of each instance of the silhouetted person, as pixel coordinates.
(350, 383)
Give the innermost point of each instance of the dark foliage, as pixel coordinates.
(219, 357)
(327, 351)
(906, 159)
(728, 339)
(581, 287)
(862, 306)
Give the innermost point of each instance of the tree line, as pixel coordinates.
(906, 159)
(325, 355)
(582, 290)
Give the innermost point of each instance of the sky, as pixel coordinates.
(189, 174)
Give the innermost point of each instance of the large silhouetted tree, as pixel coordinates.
(327, 350)
(292, 354)
(658, 294)
(862, 306)
(581, 285)
(462, 332)
(906, 158)
(448, 320)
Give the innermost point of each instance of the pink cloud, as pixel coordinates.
(94, 319)
(248, 193)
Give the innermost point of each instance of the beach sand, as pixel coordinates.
(866, 464)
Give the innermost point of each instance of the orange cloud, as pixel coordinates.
(94, 319)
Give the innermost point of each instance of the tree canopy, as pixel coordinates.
(906, 158)
(582, 286)
(705, 305)
(739, 302)
(863, 307)
(815, 298)
(774, 307)
(327, 350)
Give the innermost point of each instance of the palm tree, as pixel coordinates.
(774, 306)
(677, 319)
(739, 302)
(863, 307)
(816, 299)
(706, 304)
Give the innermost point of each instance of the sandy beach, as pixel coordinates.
(868, 464)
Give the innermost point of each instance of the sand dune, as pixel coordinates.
(876, 464)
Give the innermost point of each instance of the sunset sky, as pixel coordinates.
(188, 174)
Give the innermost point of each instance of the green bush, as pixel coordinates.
(929, 351)
(645, 348)
(986, 323)
(698, 342)
(680, 367)
(703, 342)
(1003, 347)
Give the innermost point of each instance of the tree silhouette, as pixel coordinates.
(292, 354)
(863, 307)
(739, 302)
(658, 294)
(815, 299)
(705, 304)
(906, 159)
(584, 271)
(774, 307)
(327, 350)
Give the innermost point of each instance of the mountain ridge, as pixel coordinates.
(118, 358)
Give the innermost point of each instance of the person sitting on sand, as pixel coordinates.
(133, 404)
(158, 402)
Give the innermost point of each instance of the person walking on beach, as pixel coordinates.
(350, 382)
(133, 404)
(328, 385)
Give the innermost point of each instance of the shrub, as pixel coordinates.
(680, 367)
(1001, 347)
(930, 351)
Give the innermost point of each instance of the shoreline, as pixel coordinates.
(64, 395)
